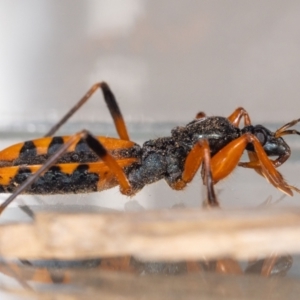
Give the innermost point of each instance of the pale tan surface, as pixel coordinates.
(180, 234)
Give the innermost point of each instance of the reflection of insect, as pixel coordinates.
(83, 163)
(57, 271)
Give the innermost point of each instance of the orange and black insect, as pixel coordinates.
(84, 163)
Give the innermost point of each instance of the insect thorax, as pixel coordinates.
(217, 130)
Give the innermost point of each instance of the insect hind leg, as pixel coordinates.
(111, 103)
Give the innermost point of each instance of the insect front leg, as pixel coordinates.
(111, 103)
(224, 162)
(254, 163)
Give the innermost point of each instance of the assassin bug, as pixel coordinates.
(84, 163)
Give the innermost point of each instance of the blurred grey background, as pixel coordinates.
(165, 61)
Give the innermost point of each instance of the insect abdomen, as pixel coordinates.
(54, 181)
(70, 178)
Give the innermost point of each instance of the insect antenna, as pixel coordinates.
(291, 131)
(282, 130)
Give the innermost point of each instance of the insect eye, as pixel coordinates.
(261, 137)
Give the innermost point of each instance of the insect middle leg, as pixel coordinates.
(200, 154)
(111, 103)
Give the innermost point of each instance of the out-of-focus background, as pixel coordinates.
(165, 61)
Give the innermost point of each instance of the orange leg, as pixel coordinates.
(199, 154)
(236, 116)
(224, 162)
(111, 162)
(111, 103)
(255, 164)
(235, 119)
